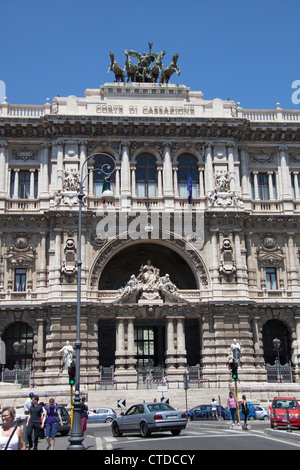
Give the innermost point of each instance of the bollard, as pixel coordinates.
(275, 421)
(289, 427)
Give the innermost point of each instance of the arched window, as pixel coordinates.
(18, 339)
(146, 176)
(105, 162)
(187, 167)
(275, 329)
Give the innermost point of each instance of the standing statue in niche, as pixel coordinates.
(67, 356)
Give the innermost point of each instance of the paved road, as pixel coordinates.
(196, 437)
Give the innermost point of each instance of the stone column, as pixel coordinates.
(285, 175)
(214, 258)
(44, 174)
(31, 189)
(3, 145)
(40, 359)
(256, 193)
(167, 172)
(209, 173)
(292, 271)
(60, 171)
(57, 257)
(125, 177)
(170, 352)
(244, 175)
(133, 183)
(296, 185)
(120, 361)
(181, 350)
(131, 360)
(231, 170)
(270, 183)
(42, 272)
(16, 184)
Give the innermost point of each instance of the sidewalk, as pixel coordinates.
(62, 442)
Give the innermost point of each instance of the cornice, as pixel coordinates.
(113, 127)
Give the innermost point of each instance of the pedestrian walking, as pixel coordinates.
(51, 417)
(245, 411)
(232, 405)
(84, 415)
(27, 406)
(214, 409)
(11, 435)
(34, 423)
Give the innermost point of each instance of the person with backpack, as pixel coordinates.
(51, 418)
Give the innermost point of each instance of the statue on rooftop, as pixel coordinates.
(142, 72)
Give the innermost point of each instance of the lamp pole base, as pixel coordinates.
(76, 437)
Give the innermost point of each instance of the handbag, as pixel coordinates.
(10, 437)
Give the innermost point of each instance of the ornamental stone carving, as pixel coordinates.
(149, 287)
(270, 253)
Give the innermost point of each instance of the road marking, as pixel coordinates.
(99, 445)
(110, 439)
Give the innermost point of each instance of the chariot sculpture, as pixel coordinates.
(148, 69)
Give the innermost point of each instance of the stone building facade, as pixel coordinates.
(231, 252)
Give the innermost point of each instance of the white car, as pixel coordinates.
(261, 413)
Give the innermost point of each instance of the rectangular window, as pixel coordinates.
(20, 280)
(24, 185)
(263, 186)
(144, 345)
(271, 278)
(22, 180)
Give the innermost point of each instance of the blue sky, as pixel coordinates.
(247, 51)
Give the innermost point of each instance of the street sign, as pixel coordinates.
(122, 403)
(162, 388)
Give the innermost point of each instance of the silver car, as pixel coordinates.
(150, 417)
(101, 415)
(261, 413)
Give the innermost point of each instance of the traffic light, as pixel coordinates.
(234, 370)
(71, 371)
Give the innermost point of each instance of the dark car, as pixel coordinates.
(66, 420)
(205, 412)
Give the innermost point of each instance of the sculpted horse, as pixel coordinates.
(130, 67)
(116, 69)
(168, 71)
(158, 65)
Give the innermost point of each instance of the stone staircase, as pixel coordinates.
(14, 395)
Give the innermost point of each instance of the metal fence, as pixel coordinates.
(17, 376)
(149, 377)
(279, 373)
(106, 380)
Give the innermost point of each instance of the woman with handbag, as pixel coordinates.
(11, 436)
(245, 410)
(51, 418)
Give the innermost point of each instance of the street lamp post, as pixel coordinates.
(276, 345)
(76, 437)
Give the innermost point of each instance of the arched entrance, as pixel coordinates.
(127, 262)
(18, 339)
(275, 329)
(150, 329)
